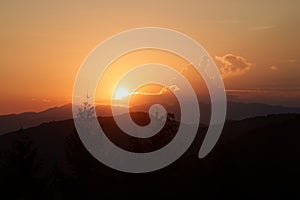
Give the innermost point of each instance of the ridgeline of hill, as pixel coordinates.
(235, 111)
(258, 157)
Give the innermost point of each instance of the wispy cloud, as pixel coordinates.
(233, 64)
(291, 60)
(280, 96)
(46, 100)
(229, 21)
(263, 90)
(165, 89)
(273, 68)
(40, 100)
(172, 87)
(262, 28)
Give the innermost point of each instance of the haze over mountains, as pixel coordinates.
(235, 111)
(41, 153)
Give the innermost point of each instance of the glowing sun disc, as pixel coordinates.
(120, 93)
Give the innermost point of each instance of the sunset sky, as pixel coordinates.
(255, 44)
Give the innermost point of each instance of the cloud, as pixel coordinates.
(40, 100)
(172, 87)
(233, 64)
(262, 28)
(291, 60)
(274, 68)
(46, 100)
(229, 21)
(165, 89)
(278, 96)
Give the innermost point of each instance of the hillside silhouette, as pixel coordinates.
(255, 157)
(235, 111)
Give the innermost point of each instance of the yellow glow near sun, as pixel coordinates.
(120, 93)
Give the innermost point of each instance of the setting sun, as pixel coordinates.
(140, 93)
(120, 93)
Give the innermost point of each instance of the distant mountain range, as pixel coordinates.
(12, 122)
(235, 111)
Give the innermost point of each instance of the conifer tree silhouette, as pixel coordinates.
(21, 168)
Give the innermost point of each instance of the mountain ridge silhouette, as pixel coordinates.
(248, 152)
(235, 111)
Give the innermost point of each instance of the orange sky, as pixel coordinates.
(254, 43)
(136, 58)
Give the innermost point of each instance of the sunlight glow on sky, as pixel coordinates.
(121, 93)
(255, 44)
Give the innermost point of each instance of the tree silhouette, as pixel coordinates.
(79, 161)
(21, 168)
(80, 164)
(170, 129)
(87, 112)
(60, 184)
